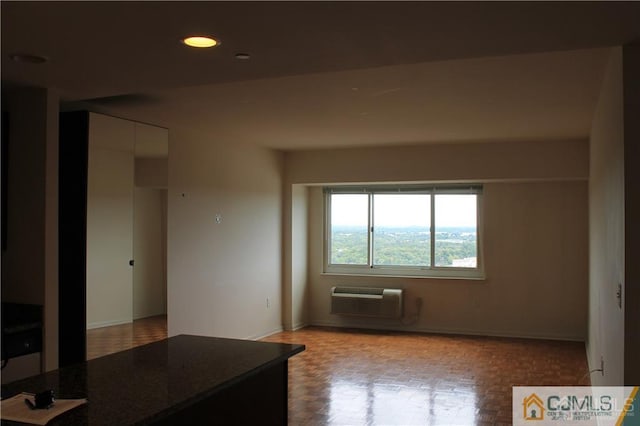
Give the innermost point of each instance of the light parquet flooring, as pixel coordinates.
(107, 340)
(358, 377)
(355, 377)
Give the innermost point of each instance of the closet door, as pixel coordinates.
(110, 171)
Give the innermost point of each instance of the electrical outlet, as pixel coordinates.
(268, 302)
(602, 365)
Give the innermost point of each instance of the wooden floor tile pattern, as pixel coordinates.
(355, 377)
(107, 340)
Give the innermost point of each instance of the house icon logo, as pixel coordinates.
(533, 407)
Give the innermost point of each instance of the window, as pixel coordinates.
(403, 231)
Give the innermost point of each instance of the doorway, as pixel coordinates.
(149, 253)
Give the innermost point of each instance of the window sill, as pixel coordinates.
(478, 277)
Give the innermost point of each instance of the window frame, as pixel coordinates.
(430, 271)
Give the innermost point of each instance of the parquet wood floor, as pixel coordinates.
(349, 377)
(358, 377)
(107, 340)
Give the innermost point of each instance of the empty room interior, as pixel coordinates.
(427, 195)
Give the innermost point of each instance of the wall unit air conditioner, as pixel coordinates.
(366, 301)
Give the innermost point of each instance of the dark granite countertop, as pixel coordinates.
(141, 385)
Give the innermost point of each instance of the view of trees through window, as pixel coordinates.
(401, 225)
(400, 234)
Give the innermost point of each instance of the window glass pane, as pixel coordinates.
(349, 229)
(401, 229)
(456, 230)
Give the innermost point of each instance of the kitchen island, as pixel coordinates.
(185, 380)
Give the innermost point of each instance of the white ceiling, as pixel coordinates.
(327, 74)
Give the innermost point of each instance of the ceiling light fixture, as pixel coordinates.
(200, 41)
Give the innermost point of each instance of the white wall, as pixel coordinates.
(151, 172)
(295, 258)
(535, 250)
(606, 229)
(149, 252)
(221, 275)
(446, 162)
(535, 236)
(300, 246)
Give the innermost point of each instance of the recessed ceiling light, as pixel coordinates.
(200, 41)
(28, 59)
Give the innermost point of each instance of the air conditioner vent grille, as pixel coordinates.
(359, 290)
(367, 301)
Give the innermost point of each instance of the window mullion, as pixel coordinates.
(432, 233)
(327, 232)
(371, 230)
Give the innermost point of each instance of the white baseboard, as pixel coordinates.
(101, 324)
(149, 315)
(269, 333)
(453, 331)
(299, 326)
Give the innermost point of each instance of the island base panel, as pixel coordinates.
(258, 399)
